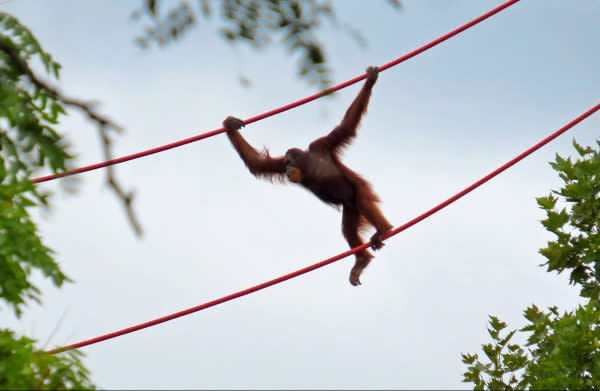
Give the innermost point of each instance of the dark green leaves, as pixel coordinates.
(563, 353)
(547, 202)
(503, 357)
(28, 141)
(563, 350)
(555, 220)
(21, 249)
(23, 367)
(577, 245)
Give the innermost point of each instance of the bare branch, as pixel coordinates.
(125, 197)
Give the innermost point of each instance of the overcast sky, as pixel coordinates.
(436, 124)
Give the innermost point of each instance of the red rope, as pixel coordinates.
(337, 257)
(278, 110)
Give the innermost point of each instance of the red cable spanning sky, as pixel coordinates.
(331, 260)
(258, 118)
(326, 262)
(281, 109)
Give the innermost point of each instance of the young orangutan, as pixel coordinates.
(320, 170)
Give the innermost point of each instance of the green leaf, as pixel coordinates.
(547, 202)
(555, 220)
(496, 323)
(468, 358)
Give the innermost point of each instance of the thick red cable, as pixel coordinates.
(337, 257)
(280, 109)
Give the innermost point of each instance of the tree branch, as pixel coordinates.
(104, 126)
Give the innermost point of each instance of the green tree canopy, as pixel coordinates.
(562, 351)
(29, 141)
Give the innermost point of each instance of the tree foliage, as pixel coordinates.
(576, 227)
(23, 367)
(294, 23)
(562, 351)
(29, 141)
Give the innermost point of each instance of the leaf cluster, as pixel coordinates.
(562, 351)
(294, 23)
(23, 367)
(28, 141)
(576, 247)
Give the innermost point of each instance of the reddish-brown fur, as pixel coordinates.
(320, 170)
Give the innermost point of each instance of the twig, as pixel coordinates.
(125, 197)
(56, 327)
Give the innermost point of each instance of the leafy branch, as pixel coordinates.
(294, 23)
(23, 367)
(23, 42)
(562, 351)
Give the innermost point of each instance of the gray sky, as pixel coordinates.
(436, 124)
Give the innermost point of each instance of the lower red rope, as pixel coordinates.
(337, 257)
(280, 109)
